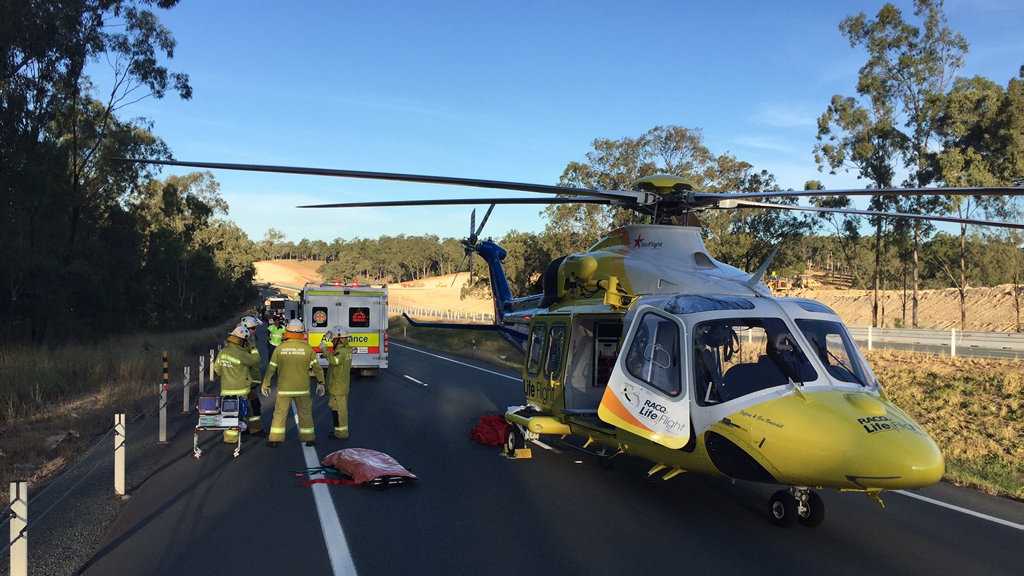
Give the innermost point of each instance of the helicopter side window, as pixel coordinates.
(734, 357)
(536, 349)
(653, 356)
(556, 342)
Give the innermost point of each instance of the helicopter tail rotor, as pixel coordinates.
(469, 243)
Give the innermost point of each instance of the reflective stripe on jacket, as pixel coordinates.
(292, 361)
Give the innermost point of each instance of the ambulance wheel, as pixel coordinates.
(782, 508)
(815, 512)
(514, 441)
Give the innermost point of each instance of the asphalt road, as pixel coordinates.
(474, 512)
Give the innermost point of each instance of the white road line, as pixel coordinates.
(334, 537)
(420, 382)
(457, 362)
(544, 446)
(961, 510)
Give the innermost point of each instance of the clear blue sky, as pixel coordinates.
(504, 90)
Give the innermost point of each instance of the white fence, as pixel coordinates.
(948, 342)
(442, 314)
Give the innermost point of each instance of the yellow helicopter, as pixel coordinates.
(646, 345)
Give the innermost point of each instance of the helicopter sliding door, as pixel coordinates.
(647, 393)
(593, 350)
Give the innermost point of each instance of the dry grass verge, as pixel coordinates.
(973, 407)
(54, 402)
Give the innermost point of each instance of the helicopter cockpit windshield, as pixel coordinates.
(835, 349)
(734, 357)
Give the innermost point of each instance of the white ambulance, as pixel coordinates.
(359, 309)
(288, 309)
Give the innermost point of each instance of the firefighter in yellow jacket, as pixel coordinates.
(237, 370)
(339, 366)
(293, 361)
(255, 417)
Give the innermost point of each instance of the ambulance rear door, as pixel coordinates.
(365, 319)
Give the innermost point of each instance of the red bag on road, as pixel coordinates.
(364, 466)
(490, 431)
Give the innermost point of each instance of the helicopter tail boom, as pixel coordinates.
(511, 336)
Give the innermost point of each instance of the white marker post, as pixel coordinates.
(164, 383)
(202, 373)
(19, 529)
(211, 364)
(119, 440)
(952, 342)
(185, 385)
(871, 345)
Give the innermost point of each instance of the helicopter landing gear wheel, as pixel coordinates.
(782, 508)
(515, 441)
(810, 509)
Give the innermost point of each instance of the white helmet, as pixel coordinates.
(240, 331)
(250, 322)
(295, 325)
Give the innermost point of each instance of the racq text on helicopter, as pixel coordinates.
(646, 345)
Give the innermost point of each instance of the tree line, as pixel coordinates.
(94, 245)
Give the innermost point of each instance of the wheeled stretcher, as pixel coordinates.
(220, 413)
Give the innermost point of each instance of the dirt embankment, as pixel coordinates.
(438, 293)
(288, 272)
(435, 293)
(988, 309)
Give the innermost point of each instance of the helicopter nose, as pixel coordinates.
(897, 458)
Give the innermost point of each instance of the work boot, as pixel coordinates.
(341, 435)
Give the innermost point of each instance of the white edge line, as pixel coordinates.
(457, 362)
(334, 537)
(544, 446)
(420, 382)
(961, 509)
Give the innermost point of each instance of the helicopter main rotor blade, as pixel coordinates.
(749, 204)
(483, 222)
(463, 201)
(933, 191)
(397, 177)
